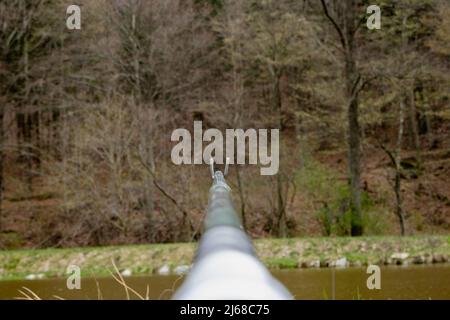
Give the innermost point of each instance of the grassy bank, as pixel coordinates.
(275, 253)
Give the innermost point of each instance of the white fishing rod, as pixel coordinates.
(226, 266)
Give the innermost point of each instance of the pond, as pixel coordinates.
(412, 282)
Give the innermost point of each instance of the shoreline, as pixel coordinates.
(165, 259)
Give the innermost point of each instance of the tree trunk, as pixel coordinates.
(354, 140)
(37, 139)
(397, 187)
(146, 153)
(354, 131)
(29, 151)
(414, 131)
(1, 163)
(56, 139)
(354, 143)
(28, 134)
(241, 197)
(20, 122)
(281, 207)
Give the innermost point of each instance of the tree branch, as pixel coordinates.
(334, 23)
(389, 153)
(166, 194)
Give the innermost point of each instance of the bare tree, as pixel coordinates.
(345, 20)
(395, 157)
(269, 39)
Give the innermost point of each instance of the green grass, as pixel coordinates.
(282, 263)
(275, 253)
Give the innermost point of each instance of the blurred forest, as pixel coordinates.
(86, 117)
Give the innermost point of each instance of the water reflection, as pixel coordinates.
(414, 282)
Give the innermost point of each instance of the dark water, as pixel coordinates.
(414, 282)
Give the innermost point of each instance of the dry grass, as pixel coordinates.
(28, 294)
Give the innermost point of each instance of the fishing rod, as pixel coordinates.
(226, 265)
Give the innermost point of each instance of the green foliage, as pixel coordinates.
(374, 220)
(336, 214)
(333, 194)
(282, 263)
(323, 185)
(12, 263)
(318, 180)
(356, 256)
(11, 240)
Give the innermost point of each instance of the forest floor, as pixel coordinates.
(275, 253)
